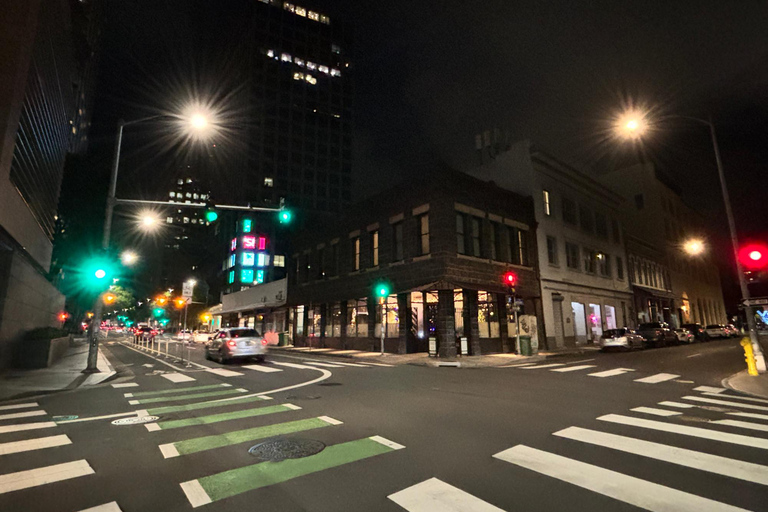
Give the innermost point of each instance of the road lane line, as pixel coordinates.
(4, 429)
(18, 406)
(125, 385)
(34, 444)
(46, 475)
(742, 424)
(260, 368)
(635, 491)
(574, 368)
(657, 412)
(355, 365)
(223, 373)
(216, 418)
(709, 389)
(519, 365)
(186, 397)
(542, 366)
(725, 402)
(689, 458)
(177, 377)
(676, 404)
(326, 365)
(178, 390)
(703, 433)
(659, 377)
(433, 494)
(107, 507)
(18, 415)
(738, 397)
(611, 373)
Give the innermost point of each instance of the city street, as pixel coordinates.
(643, 430)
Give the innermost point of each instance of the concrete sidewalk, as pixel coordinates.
(64, 374)
(745, 383)
(423, 359)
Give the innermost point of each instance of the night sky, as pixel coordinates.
(432, 74)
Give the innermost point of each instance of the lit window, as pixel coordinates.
(169, 220)
(231, 277)
(247, 225)
(323, 69)
(325, 19)
(249, 259)
(335, 48)
(270, 53)
(269, 182)
(189, 195)
(298, 76)
(311, 79)
(547, 208)
(194, 221)
(335, 72)
(301, 11)
(186, 220)
(313, 16)
(311, 65)
(234, 244)
(280, 261)
(285, 57)
(262, 243)
(195, 196)
(180, 182)
(246, 275)
(249, 242)
(189, 180)
(261, 260)
(298, 62)
(289, 7)
(173, 194)
(259, 276)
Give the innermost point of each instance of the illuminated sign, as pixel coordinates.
(234, 244)
(231, 276)
(249, 259)
(249, 242)
(262, 243)
(232, 260)
(262, 260)
(246, 225)
(246, 275)
(259, 276)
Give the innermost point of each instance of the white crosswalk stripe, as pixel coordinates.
(635, 491)
(574, 368)
(177, 377)
(738, 397)
(125, 385)
(676, 404)
(26, 426)
(749, 415)
(17, 406)
(223, 373)
(325, 365)
(611, 373)
(107, 507)
(742, 424)
(709, 389)
(34, 444)
(656, 412)
(294, 365)
(262, 368)
(435, 495)
(18, 415)
(659, 377)
(542, 366)
(725, 402)
(45, 475)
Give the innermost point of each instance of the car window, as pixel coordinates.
(243, 333)
(610, 333)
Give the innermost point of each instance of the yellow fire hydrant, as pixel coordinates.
(750, 356)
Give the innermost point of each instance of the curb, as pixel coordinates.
(726, 383)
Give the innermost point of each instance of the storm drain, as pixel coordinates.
(276, 450)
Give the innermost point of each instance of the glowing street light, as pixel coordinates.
(198, 122)
(631, 124)
(694, 247)
(128, 258)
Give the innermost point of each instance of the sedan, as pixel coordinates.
(621, 338)
(684, 336)
(716, 331)
(236, 343)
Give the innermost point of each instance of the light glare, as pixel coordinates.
(694, 247)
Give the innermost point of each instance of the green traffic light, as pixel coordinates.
(382, 290)
(158, 312)
(211, 216)
(100, 273)
(285, 216)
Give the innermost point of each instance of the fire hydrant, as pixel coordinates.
(750, 356)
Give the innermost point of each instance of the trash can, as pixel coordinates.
(281, 339)
(525, 346)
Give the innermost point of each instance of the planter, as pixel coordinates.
(40, 353)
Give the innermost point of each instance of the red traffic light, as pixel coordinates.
(754, 256)
(510, 279)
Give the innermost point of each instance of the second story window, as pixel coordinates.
(572, 255)
(397, 241)
(518, 246)
(552, 250)
(590, 258)
(423, 241)
(375, 248)
(569, 211)
(356, 253)
(476, 237)
(587, 221)
(547, 207)
(460, 234)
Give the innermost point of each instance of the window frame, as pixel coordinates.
(547, 204)
(375, 248)
(423, 241)
(572, 259)
(398, 253)
(552, 255)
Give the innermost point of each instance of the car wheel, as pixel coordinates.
(222, 359)
(207, 355)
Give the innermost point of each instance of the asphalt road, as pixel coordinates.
(388, 429)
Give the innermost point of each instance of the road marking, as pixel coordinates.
(737, 397)
(346, 351)
(434, 494)
(574, 368)
(179, 390)
(657, 412)
(108, 416)
(709, 389)
(107, 507)
(659, 377)
(294, 365)
(677, 404)
(177, 377)
(357, 365)
(725, 402)
(17, 406)
(387, 442)
(326, 365)
(204, 405)
(625, 488)
(216, 418)
(46, 475)
(542, 366)
(236, 481)
(330, 420)
(17, 415)
(519, 365)
(611, 373)
(741, 424)
(152, 427)
(681, 456)
(187, 397)
(26, 426)
(34, 444)
(749, 415)
(685, 430)
(260, 368)
(147, 365)
(368, 362)
(224, 373)
(200, 444)
(125, 385)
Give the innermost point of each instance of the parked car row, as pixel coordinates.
(659, 334)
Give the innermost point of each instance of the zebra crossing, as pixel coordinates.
(590, 371)
(659, 434)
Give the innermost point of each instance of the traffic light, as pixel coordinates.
(510, 279)
(754, 256)
(63, 316)
(382, 290)
(161, 300)
(98, 273)
(211, 215)
(179, 302)
(158, 312)
(109, 298)
(284, 216)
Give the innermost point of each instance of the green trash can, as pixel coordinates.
(281, 337)
(525, 346)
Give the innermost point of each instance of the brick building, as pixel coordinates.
(441, 241)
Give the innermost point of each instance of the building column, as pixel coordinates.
(501, 308)
(446, 329)
(373, 312)
(323, 322)
(405, 328)
(469, 315)
(343, 320)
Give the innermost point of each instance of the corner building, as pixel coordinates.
(441, 242)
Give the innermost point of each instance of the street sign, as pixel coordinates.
(186, 290)
(755, 302)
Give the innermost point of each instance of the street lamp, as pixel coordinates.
(638, 120)
(694, 247)
(128, 258)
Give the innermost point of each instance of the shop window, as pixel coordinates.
(487, 316)
(357, 318)
(458, 312)
(392, 319)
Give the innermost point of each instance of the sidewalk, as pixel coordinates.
(423, 359)
(743, 382)
(64, 374)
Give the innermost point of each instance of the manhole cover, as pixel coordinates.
(330, 384)
(276, 450)
(136, 420)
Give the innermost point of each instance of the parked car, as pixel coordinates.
(624, 338)
(733, 332)
(684, 336)
(237, 343)
(657, 334)
(717, 331)
(200, 336)
(698, 331)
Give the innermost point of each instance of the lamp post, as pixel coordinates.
(634, 126)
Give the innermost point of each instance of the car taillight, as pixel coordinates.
(264, 341)
(232, 343)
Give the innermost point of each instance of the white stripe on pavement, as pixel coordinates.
(325, 365)
(725, 402)
(107, 507)
(541, 366)
(17, 406)
(685, 430)
(329, 420)
(657, 412)
(26, 426)
(641, 493)
(435, 495)
(709, 389)
(659, 377)
(519, 365)
(387, 442)
(169, 450)
(359, 365)
(574, 368)
(294, 365)
(223, 373)
(176, 377)
(749, 415)
(260, 368)
(681, 456)
(46, 475)
(195, 493)
(677, 404)
(738, 397)
(34, 444)
(742, 424)
(611, 373)
(17, 415)
(370, 363)
(125, 385)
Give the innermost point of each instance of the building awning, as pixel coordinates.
(661, 294)
(262, 296)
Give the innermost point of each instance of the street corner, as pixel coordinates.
(743, 382)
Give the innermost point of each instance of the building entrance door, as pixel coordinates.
(579, 322)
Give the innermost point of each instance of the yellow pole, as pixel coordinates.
(749, 356)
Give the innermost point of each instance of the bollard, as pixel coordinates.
(749, 356)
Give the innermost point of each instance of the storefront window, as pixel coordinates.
(393, 317)
(357, 318)
(610, 317)
(299, 320)
(458, 312)
(336, 320)
(487, 318)
(314, 317)
(417, 312)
